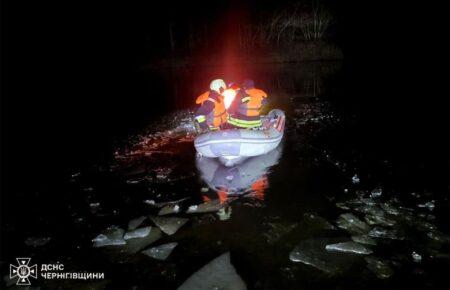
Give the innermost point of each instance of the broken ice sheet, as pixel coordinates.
(134, 223)
(217, 274)
(110, 237)
(352, 224)
(135, 180)
(429, 205)
(393, 234)
(316, 221)
(342, 205)
(169, 209)
(172, 202)
(372, 209)
(438, 236)
(224, 213)
(376, 192)
(424, 225)
(379, 220)
(416, 257)
(209, 206)
(349, 247)
(94, 205)
(312, 252)
(160, 252)
(276, 230)
(363, 239)
(135, 245)
(149, 202)
(37, 241)
(169, 225)
(137, 233)
(390, 208)
(379, 267)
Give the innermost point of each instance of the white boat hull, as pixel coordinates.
(232, 146)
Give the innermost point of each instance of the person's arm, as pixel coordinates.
(200, 115)
(264, 102)
(235, 104)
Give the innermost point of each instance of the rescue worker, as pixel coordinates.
(212, 113)
(245, 110)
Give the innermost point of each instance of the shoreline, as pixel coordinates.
(301, 52)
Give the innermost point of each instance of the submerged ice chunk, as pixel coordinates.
(169, 225)
(137, 233)
(160, 252)
(349, 247)
(134, 223)
(111, 237)
(217, 274)
(379, 267)
(318, 222)
(276, 230)
(37, 241)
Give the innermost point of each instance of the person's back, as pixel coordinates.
(212, 113)
(245, 110)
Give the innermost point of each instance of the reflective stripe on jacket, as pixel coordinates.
(247, 124)
(246, 109)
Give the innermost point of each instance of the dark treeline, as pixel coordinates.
(251, 25)
(247, 27)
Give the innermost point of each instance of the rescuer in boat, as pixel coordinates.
(245, 110)
(211, 114)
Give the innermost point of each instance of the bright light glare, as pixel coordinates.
(229, 95)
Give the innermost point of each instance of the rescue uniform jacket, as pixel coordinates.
(245, 109)
(211, 112)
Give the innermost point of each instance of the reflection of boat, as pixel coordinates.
(248, 176)
(232, 146)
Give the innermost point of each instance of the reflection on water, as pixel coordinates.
(246, 178)
(316, 213)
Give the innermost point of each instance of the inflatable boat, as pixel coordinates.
(232, 146)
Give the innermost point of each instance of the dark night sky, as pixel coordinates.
(65, 64)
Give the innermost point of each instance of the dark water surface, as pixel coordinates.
(338, 176)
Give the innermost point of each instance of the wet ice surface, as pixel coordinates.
(160, 252)
(313, 219)
(217, 274)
